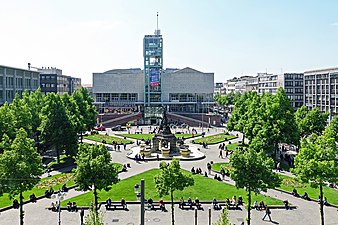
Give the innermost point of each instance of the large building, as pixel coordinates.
(183, 90)
(52, 81)
(292, 83)
(321, 90)
(15, 80)
(149, 90)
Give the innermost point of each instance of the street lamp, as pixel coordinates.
(59, 196)
(140, 196)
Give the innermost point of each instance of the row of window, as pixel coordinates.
(116, 97)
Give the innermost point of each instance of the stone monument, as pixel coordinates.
(164, 140)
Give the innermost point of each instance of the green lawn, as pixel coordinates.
(217, 166)
(204, 188)
(65, 161)
(214, 139)
(150, 136)
(289, 183)
(234, 146)
(46, 183)
(108, 139)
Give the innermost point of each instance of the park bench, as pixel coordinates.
(186, 205)
(153, 206)
(115, 205)
(229, 206)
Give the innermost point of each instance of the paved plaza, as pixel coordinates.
(307, 213)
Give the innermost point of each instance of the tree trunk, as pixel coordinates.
(21, 208)
(95, 200)
(321, 203)
(249, 205)
(243, 138)
(81, 136)
(172, 208)
(57, 154)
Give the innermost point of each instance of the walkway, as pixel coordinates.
(306, 213)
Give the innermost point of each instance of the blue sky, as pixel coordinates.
(229, 38)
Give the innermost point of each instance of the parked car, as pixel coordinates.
(100, 128)
(118, 128)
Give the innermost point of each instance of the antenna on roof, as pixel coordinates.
(157, 21)
(157, 31)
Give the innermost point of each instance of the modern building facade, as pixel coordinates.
(321, 90)
(122, 90)
(269, 83)
(153, 66)
(52, 81)
(15, 80)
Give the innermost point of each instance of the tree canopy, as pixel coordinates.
(252, 170)
(316, 163)
(310, 121)
(95, 169)
(20, 166)
(170, 179)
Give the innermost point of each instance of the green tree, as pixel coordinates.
(332, 129)
(87, 110)
(94, 218)
(316, 163)
(57, 129)
(20, 167)
(22, 114)
(253, 171)
(279, 122)
(35, 103)
(7, 120)
(95, 170)
(310, 121)
(170, 179)
(223, 218)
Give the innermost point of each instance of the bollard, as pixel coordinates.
(195, 216)
(209, 216)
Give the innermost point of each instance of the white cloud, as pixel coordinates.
(335, 24)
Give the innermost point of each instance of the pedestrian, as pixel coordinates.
(267, 213)
(124, 146)
(209, 168)
(81, 215)
(278, 166)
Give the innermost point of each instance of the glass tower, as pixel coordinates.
(153, 66)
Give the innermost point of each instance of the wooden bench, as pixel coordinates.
(153, 206)
(231, 206)
(115, 205)
(186, 205)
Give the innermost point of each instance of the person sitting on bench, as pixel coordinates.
(305, 196)
(15, 204)
(190, 203)
(240, 200)
(150, 203)
(123, 203)
(286, 204)
(193, 170)
(53, 207)
(69, 206)
(64, 188)
(215, 204)
(182, 203)
(108, 203)
(124, 168)
(74, 207)
(32, 198)
(294, 193)
(197, 203)
(161, 204)
(261, 205)
(255, 205)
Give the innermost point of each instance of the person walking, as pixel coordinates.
(220, 154)
(267, 213)
(81, 215)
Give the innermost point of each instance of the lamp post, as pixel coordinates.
(59, 196)
(140, 196)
